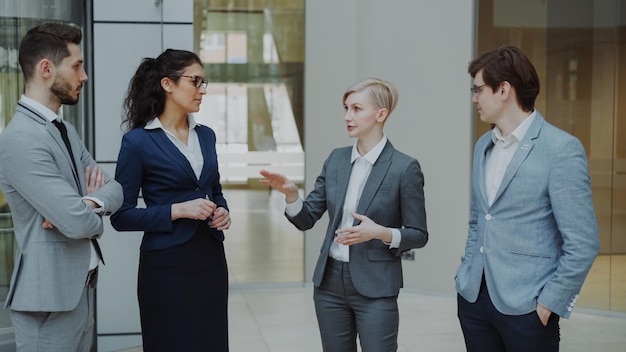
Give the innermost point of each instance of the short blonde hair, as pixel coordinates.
(384, 94)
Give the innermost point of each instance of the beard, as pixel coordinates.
(61, 89)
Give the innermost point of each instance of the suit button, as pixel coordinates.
(482, 249)
(488, 217)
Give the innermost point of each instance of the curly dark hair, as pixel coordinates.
(145, 98)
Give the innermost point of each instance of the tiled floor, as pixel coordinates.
(281, 318)
(272, 311)
(262, 246)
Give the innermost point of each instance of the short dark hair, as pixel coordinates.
(509, 64)
(46, 41)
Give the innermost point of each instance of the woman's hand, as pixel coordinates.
(282, 184)
(221, 219)
(363, 232)
(196, 209)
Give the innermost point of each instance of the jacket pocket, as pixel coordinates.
(381, 255)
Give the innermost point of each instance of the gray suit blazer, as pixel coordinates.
(539, 238)
(393, 196)
(36, 176)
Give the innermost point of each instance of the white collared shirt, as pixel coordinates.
(51, 116)
(42, 109)
(361, 168)
(499, 157)
(191, 150)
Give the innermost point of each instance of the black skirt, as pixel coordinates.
(183, 297)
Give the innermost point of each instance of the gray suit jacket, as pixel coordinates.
(539, 238)
(393, 196)
(36, 176)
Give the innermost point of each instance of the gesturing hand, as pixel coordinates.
(363, 232)
(280, 183)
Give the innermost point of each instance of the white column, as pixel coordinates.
(423, 47)
(124, 33)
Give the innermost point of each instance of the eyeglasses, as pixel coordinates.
(476, 89)
(198, 81)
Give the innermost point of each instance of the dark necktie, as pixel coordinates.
(59, 124)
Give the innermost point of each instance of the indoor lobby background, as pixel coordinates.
(277, 71)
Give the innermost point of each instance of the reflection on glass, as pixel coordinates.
(266, 134)
(11, 87)
(578, 50)
(253, 55)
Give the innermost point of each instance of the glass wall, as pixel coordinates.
(579, 50)
(253, 53)
(16, 17)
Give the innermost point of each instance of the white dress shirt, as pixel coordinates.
(361, 168)
(499, 157)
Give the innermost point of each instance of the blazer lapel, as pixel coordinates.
(343, 177)
(56, 136)
(379, 170)
(525, 146)
(169, 149)
(481, 170)
(208, 153)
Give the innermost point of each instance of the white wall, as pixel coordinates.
(124, 33)
(423, 47)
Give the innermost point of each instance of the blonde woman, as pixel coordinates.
(375, 200)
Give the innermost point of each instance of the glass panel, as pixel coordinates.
(618, 244)
(253, 54)
(575, 46)
(11, 87)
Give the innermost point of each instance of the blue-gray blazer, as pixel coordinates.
(539, 238)
(39, 182)
(393, 196)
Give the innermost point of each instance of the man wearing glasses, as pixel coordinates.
(533, 234)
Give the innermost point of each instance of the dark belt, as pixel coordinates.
(92, 278)
(334, 263)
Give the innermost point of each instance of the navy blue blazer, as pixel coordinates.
(149, 162)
